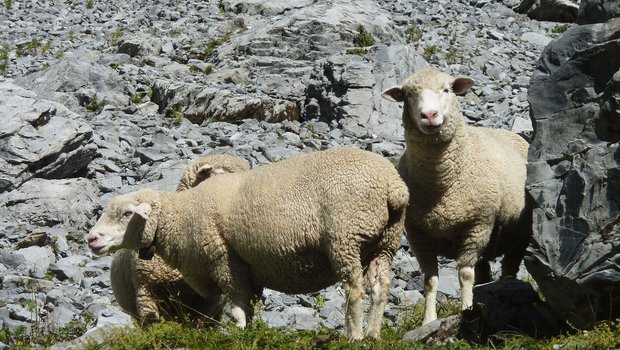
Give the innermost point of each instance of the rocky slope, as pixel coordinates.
(99, 98)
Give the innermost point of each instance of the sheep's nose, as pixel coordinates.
(92, 238)
(429, 114)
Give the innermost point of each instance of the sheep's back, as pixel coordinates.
(283, 215)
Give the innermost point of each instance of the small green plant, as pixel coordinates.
(95, 104)
(560, 28)
(4, 58)
(413, 34)
(360, 51)
(8, 4)
(175, 32)
(33, 45)
(429, 52)
(320, 302)
(177, 115)
(135, 99)
(363, 38)
(116, 37)
(90, 4)
(453, 55)
(214, 44)
(45, 49)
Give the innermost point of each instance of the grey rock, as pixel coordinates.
(549, 10)
(113, 316)
(574, 179)
(344, 87)
(536, 38)
(50, 202)
(30, 259)
(61, 316)
(442, 331)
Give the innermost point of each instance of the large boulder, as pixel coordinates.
(39, 138)
(78, 79)
(45, 203)
(574, 174)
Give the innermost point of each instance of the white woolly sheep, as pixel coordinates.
(148, 289)
(467, 186)
(296, 226)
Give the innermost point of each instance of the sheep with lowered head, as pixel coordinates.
(467, 186)
(148, 289)
(297, 226)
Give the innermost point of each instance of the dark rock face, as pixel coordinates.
(597, 11)
(549, 10)
(574, 174)
(507, 306)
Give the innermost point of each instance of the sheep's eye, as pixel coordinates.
(127, 214)
(446, 90)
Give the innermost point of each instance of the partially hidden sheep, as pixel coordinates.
(148, 289)
(467, 186)
(297, 226)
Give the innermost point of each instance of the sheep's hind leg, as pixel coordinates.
(345, 258)
(378, 276)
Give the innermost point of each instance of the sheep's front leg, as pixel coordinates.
(233, 277)
(426, 255)
(428, 265)
(147, 308)
(473, 245)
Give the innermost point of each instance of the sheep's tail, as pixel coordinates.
(378, 272)
(397, 201)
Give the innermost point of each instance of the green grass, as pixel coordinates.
(170, 335)
(8, 4)
(257, 335)
(560, 28)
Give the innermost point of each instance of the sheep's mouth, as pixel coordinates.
(430, 129)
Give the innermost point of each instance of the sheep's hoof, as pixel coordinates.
(374, 335)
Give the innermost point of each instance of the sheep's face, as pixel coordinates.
(429, 98)
(121, 225)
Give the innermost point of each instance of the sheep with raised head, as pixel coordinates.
(467, 186)
(297, 226)
(148, 289)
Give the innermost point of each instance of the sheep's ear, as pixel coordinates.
(203, 173)
(142, 210)
(394, 94)
(460, 85)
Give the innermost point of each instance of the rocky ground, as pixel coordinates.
(99, 98)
